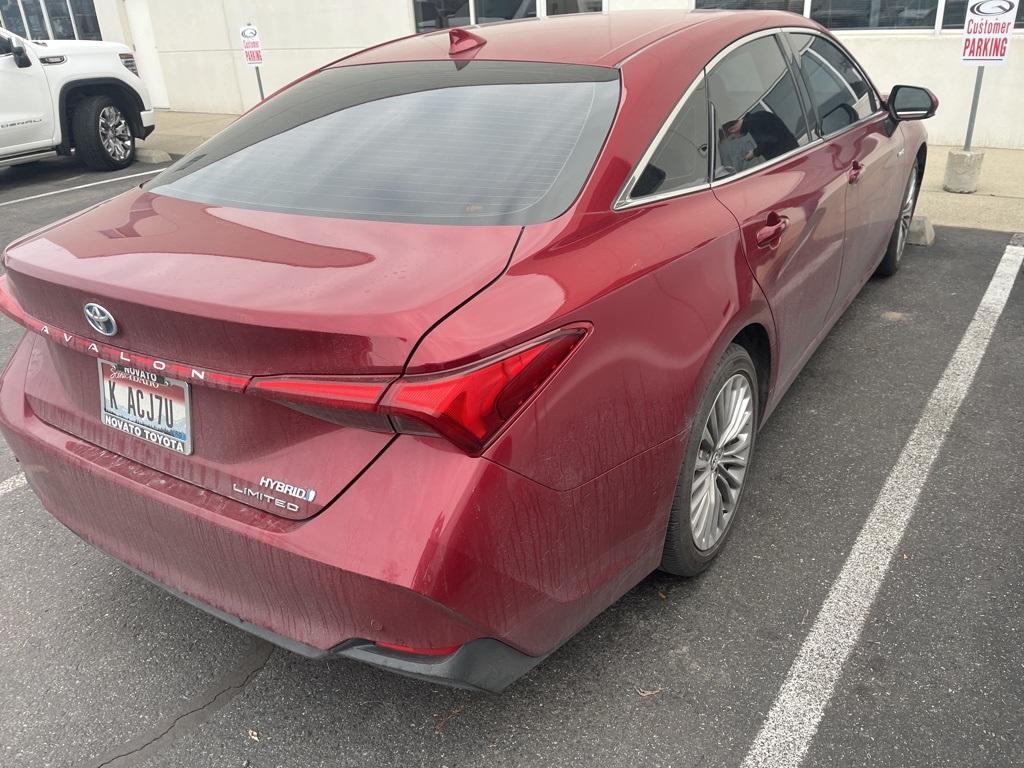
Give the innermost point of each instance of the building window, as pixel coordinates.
(956, 13)
(86, 25)
(50, 19)
(504, 10)
(440, 14)
(556, 7)
(866, 14)
(874, 14)
(11, 18)
(60, 19)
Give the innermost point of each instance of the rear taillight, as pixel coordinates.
(468, 406)
(351, 402)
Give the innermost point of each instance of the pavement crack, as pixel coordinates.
(200, 708)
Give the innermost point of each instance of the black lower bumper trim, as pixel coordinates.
(482, 665)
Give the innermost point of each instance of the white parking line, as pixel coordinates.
(797, 711)
(12, 484)
(80, 186)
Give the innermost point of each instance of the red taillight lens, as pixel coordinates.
(468, 406)
(8, 304)
(351, 401)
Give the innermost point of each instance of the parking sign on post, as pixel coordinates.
(252, 50)
(987, 31)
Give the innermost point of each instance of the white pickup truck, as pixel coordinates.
(62, 95)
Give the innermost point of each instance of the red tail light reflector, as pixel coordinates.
(468, 406)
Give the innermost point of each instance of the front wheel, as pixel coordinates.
(718, 454)
(103, 134)
(898, 241)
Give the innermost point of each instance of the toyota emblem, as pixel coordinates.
(100, 320)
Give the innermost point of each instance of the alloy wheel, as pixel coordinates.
(906, 214)
(115, 133)
(721, 464)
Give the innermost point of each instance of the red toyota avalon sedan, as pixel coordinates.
(431, 356)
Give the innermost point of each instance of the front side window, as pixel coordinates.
(484, 142)
(681, 159)
(756, 108)
(840, 93)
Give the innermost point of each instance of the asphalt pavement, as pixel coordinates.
(100, 668)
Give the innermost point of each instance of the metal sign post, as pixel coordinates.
(974, 108)
(988, 28)
(252, 50)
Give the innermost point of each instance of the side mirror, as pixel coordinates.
(21, 57)
(909, 102)
(5, 46)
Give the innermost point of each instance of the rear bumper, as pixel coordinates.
(482, 665)
(428, 549)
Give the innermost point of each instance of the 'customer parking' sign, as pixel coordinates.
(987, 31)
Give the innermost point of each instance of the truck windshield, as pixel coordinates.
(432, 142)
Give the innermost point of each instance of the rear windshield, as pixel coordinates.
(434, 142)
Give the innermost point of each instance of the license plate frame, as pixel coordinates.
(135, 419)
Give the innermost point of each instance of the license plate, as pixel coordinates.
(146, 405)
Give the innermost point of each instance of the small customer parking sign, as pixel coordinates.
(987, 31)
(251, 48)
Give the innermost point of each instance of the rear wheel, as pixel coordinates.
(103, 134)
(898, 241)
(718, 453)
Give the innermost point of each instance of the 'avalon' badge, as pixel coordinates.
(100, 319)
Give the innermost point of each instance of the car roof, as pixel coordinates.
(600, 39)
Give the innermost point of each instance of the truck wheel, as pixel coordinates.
(103, 135)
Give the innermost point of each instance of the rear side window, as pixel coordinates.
(840, 93)
(432, 142)
(757, 111)
(681, 158)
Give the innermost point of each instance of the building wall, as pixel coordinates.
(934, 61)
(190, 55)
(189, 51)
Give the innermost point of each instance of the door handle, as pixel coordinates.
(855, 171)
(769, 235)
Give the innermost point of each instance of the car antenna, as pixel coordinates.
(460, 41)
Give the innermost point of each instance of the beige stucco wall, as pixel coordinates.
(193, 48)
(934, 61)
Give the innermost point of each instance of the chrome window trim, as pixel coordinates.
(624, 202)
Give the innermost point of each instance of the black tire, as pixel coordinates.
(890, 263)
(85, 130)
(681, 555)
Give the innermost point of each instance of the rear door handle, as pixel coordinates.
(855, 171)
(769, 235)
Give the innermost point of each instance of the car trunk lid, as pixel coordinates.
(216, 296)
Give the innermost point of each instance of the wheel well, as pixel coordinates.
(71, 94)
(922, 157)
(754, 339)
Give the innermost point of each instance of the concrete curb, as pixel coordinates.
(152, 156)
